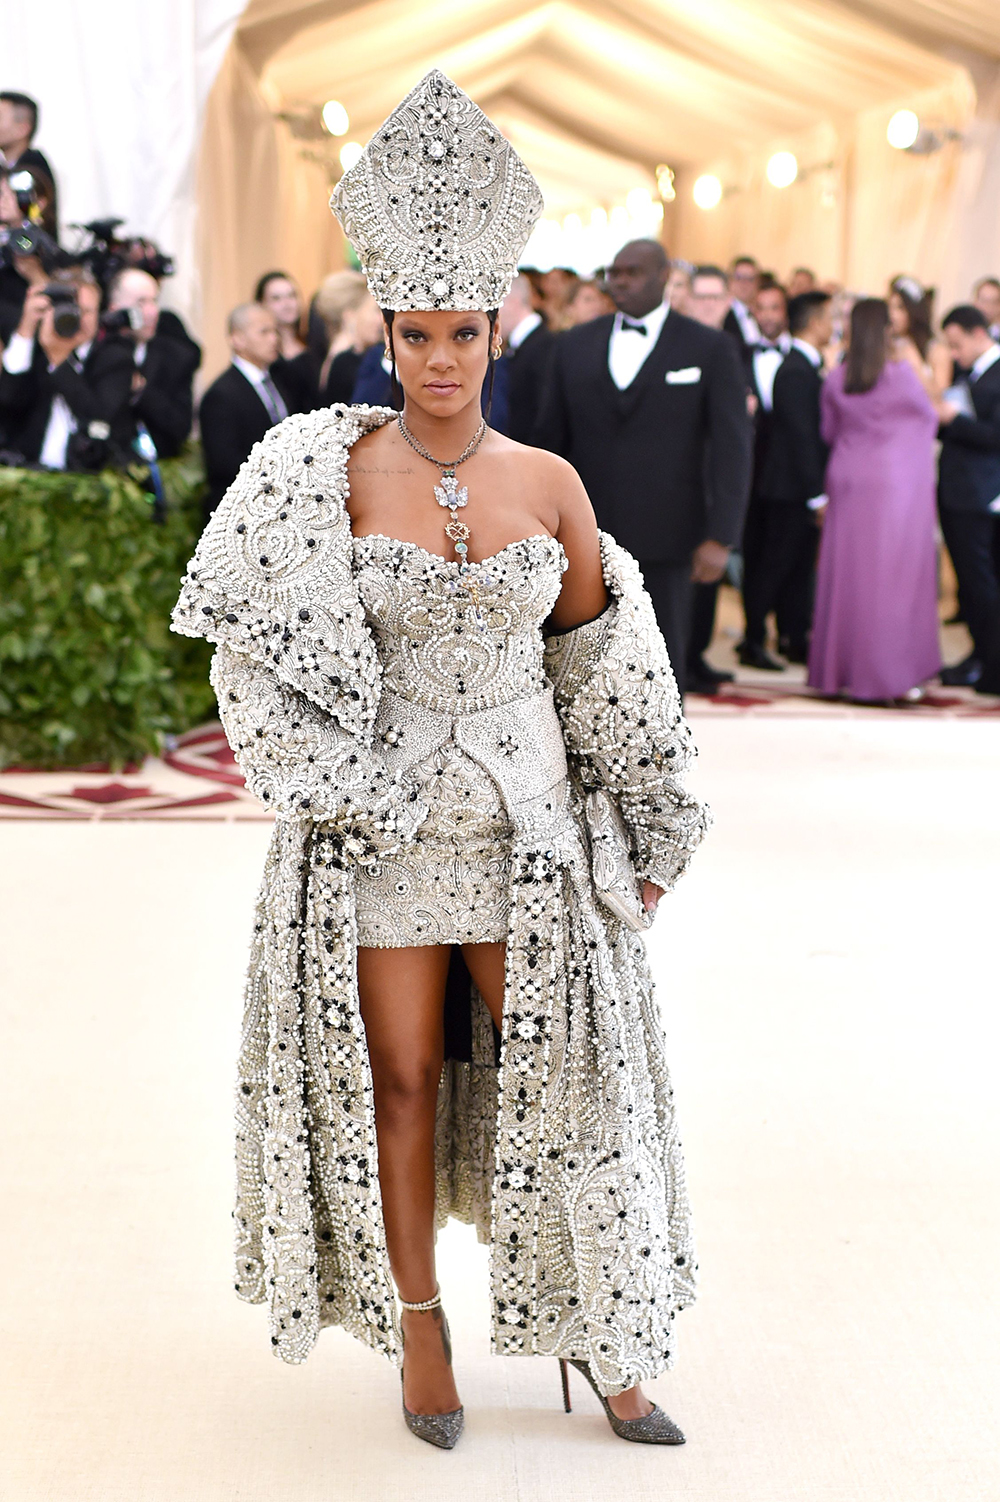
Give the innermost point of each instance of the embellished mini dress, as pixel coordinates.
(464, 698)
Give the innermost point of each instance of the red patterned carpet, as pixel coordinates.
(198, 778)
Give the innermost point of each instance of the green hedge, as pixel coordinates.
(89, 671)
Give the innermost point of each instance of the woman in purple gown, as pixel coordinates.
(875, 632)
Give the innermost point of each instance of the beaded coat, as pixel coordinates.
(558, 1140)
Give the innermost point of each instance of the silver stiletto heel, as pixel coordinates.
(441, 1429)
(654, 1429)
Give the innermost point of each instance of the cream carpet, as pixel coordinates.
(828, 978)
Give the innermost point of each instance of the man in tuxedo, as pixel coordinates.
(64, 401)
(744, 277)
(762, 362)
(164, 364)
(650, 408)
(986, 296)
(529, 345)
(244, 402)
(969, 491)
(781, 561)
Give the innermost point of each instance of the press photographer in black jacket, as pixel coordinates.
(164, 359)
(64, 396)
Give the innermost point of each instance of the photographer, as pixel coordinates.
(163, 364)
(27, 209)
(18, 123)
(64, 395)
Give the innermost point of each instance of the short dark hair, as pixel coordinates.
(24, 103)
(742, 261)
(966, 317)
(709, 270)
(769, 283)
(803, 309)
(987, 281)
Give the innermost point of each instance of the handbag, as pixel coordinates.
(615, 879)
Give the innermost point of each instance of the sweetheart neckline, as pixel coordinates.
(404, 542)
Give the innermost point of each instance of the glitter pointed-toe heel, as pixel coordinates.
(441, 1429)
(654, 1429)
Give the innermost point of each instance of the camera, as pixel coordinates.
(29, 239)
(65, 310)
(121, 319)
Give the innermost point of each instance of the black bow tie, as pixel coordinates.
(635, 328)
(768, 344)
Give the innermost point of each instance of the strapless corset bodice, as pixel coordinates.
(452, 644)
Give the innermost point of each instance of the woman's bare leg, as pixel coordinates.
(486, 963)
(402, 1006)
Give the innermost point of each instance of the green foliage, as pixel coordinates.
(89, 670)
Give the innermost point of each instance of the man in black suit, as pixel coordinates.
(781, 562)
(763, 360)
(244, 402)
(64, 401)
(650, 408)
(164, 363)
(528, 344)
(969, 491)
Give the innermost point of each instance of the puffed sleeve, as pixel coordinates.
(621, 717)
(299, 762)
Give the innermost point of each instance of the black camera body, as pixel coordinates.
(65, 309)
(28, 239)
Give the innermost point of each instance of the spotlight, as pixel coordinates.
(707, 191)
(335, 118)
(903, 130)
(350, 154)
(665, 183)
(782, 169)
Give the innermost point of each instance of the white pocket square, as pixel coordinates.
(686, 377)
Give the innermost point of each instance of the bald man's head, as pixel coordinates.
(253, 334)
(637, 277)
(132, 288)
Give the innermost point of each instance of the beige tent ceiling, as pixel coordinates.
(595, 95)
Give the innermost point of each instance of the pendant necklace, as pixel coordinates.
(452, 497)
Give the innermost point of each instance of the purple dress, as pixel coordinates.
(875, 630)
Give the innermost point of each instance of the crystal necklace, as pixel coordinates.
(452, 497)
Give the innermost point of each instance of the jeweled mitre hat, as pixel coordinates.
(439, 206)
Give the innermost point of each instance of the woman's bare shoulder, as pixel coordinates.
(544, 470)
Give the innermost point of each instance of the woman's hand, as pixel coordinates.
(651, 895)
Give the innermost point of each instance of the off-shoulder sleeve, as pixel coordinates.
(620, 711)
(299, 762)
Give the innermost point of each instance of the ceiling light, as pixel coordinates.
(903, 130)
(350, 154)
(782, 169)
(707, 191)
(665, 183)
(335, 118)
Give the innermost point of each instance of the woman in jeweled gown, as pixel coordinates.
(427, 656)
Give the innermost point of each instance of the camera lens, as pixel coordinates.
(66, 321)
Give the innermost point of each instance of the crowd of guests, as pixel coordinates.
(804, 443)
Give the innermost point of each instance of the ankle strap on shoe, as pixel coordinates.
(427, 1303)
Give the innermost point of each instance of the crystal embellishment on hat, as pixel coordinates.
(439, 206)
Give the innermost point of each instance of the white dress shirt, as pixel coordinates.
(520, 331)
(749, 327)
(628, 350)
(62, 424)
(269, 394)
(765, 368)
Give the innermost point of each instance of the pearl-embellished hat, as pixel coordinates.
(439, 206)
